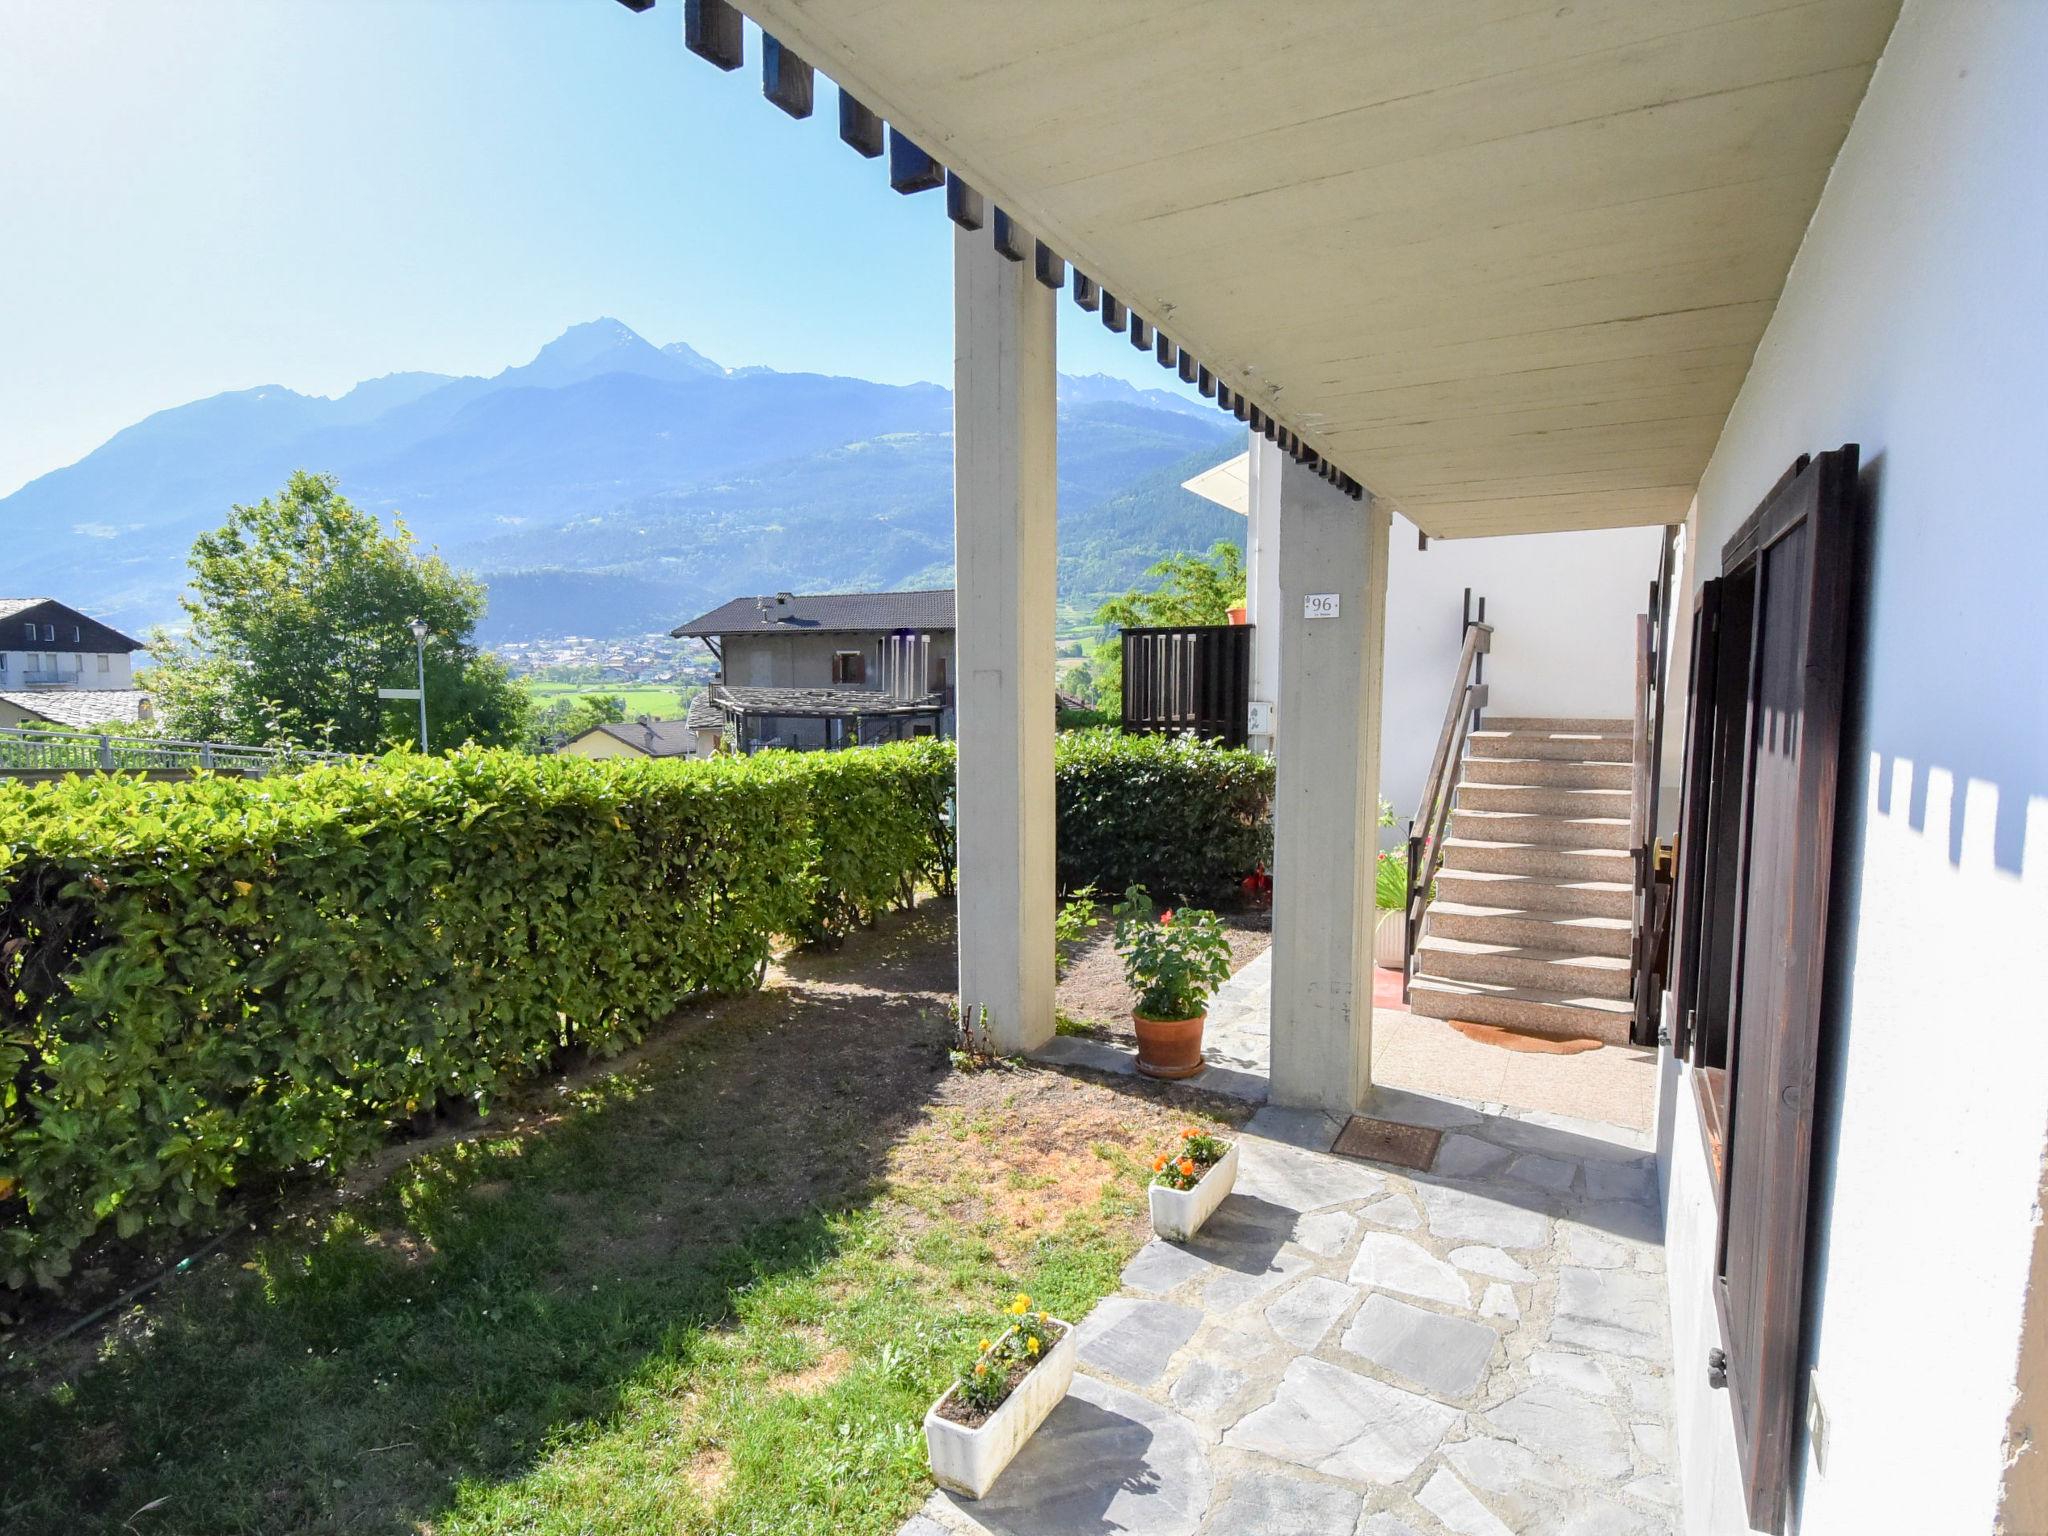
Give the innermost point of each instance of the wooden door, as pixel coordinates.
(1797, 556)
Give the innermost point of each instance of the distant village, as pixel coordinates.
(654, 660)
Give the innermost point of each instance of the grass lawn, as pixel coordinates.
(661, 703)
(708, 1288)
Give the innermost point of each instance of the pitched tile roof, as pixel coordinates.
(62, 617)
(832, 612)
(657, 738)
(81, 709)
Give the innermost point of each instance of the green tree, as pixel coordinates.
(301, 609)
(1192, 589)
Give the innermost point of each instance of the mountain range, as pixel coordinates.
(611, 486)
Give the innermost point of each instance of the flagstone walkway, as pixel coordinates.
(1348, 1349)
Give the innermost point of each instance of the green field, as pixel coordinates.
(661, 703)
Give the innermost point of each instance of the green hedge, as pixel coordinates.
(206, 981)
(1186, 819)
(223, 979)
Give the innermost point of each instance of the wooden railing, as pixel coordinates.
(1432, 816)
(1189, 678)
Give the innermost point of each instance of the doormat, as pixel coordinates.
(1388, 1141)
(1519, 1040)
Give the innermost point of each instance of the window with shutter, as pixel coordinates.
(1763, 746)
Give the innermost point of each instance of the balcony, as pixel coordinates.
(44, 678)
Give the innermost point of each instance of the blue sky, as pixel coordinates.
(202, 197)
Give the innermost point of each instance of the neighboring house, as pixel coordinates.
(826, 670)
(1766, 274)
(638, 738)
(60, 667)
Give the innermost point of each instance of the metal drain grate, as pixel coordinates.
(1388, 1141)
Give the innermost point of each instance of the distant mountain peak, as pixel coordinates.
(683, 352)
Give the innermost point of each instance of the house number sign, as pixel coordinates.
(1319, 605)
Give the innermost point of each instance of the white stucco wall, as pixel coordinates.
(1914, 323)
(1563, 607)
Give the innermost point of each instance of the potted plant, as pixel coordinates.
(1190, 1182)
(999, 1400)
(1173, 963)
(1390, 897)
(1390, 900)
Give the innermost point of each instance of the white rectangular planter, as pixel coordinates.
(1178, 1214)
(969, 1461)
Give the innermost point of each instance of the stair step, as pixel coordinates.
(1571, 725)
(1507, 965)
(1548, 862)
(1536, 893)
(1522, 928)
(1550, 831)
(1573, 749)
(1545, 800)
(1541, 1012)
(1556, 773)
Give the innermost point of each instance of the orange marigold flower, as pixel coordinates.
(1159, 1163)
(981, 1369)
(1189, 1134)
(1187, 1168)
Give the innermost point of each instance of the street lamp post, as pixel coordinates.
(419, 641)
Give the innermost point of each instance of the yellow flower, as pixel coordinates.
(1031, 1346)
(1045, 1317)
(1020, 1306)
(987, 1345)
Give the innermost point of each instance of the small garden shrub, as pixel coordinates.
(1187, 819)
(207, 981)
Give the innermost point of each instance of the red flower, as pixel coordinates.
(1166, 916)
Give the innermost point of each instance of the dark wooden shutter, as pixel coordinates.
(1692, 814)
(1801, 545)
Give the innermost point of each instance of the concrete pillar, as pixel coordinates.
(1004, 511)
(1333, 550)
(1262, 583)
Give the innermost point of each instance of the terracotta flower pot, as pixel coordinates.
(1170, 1047)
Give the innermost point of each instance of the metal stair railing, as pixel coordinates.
(1432, 816)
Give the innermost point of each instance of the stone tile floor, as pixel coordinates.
(1348, 1349)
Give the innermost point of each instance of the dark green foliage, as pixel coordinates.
(1084, 719)
(220, 979)
(1185, 818)
(879, 818)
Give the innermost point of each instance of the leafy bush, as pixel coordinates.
(219, 980)
(879, 816)
(208, 981)
(1186, 818)
(1085, 719)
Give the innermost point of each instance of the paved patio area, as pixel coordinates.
(1354, 1350)
(1615, 1085)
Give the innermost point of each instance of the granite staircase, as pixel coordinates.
(1529, 924)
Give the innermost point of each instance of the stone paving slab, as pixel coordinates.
(1355, 1350)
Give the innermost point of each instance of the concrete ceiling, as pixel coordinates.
(1505, 263)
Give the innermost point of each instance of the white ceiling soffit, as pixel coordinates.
(1505, 263)
(1228, 484)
